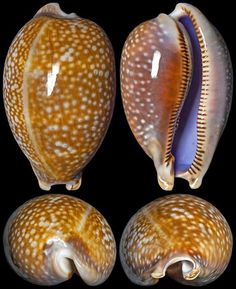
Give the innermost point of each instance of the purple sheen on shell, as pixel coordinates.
(185, 139)
(176, 84)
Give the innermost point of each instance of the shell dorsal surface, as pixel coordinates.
(59, 87)
(51, 237)
(176, 82)
(182, 236)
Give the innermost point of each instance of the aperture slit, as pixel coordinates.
(188, 143)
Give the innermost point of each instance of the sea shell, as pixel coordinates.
(182, 236)
(50, 237)
(176, 81)
(59, 88)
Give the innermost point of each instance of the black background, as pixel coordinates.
(120, 179)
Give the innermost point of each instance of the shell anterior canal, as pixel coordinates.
(185, 140)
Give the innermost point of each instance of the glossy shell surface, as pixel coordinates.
(59, 87)
(182, 236)
(50, 237)
(176, 82)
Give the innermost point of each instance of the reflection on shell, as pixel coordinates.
(59, 85)
(176, 81)
(50, 237)
(182, 236)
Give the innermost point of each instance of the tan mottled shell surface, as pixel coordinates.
(182, 236)
(59, 87)
(50, 237)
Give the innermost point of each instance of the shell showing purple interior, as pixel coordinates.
(181, 236)
(176, 82)
(185, 139)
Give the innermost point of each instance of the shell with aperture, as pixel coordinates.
(50, 237)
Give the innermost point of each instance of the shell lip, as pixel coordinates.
(178, 267)
(60, 256)
(186, 140)
(66, 261)
(188, 135)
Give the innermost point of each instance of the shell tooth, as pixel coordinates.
(50, 237)
(181, 236)
(59, 90)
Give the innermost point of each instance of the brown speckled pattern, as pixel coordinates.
(140, 90)
(59, 85)
(152, 99)
(176, 226)
(45, 225)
